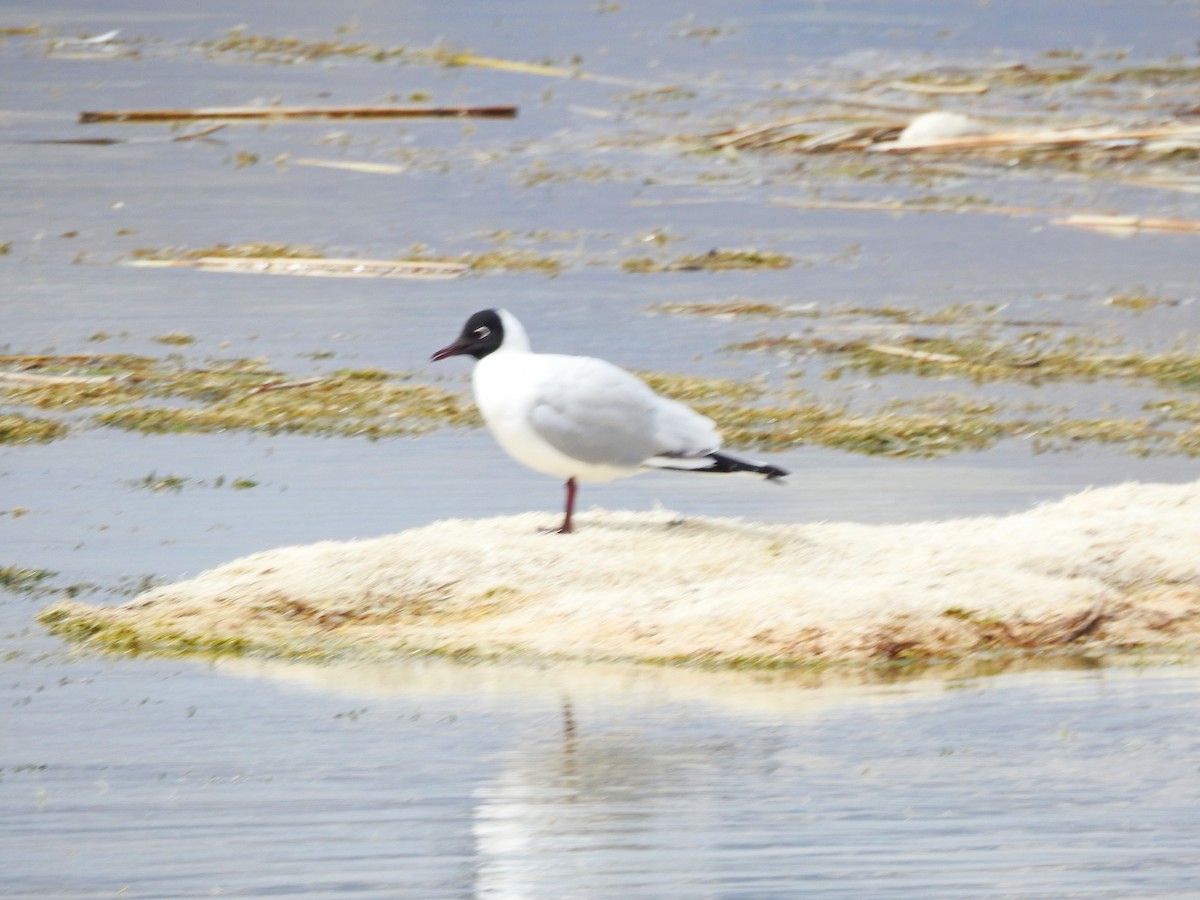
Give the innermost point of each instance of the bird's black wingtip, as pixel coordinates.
(723, 462)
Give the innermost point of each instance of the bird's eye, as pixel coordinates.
(482, 331)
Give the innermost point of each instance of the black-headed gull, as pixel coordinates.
(580, 418)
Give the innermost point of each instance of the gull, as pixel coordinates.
(579, 418)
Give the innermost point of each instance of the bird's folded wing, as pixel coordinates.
(599, 428)
(681, 432)
(602, 414)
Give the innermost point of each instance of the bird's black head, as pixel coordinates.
(483, 334)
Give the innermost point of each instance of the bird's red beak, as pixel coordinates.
(455, 349)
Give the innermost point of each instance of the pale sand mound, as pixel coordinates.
(1110, 568)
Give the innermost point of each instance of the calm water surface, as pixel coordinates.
(435, 780)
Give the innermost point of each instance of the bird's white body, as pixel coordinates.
(582, 418)
(579, 418)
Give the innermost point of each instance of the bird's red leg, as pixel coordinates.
(566, 525)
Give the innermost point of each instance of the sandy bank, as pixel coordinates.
(1111, 568)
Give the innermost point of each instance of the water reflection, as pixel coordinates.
(566, 817)
(747, 692)
(609, 780)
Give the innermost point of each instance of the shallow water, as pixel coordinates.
(430, 779)
(427, 779)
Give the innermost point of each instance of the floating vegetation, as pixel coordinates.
(318, 267)
(668, 94)
(448, 56)
(158, 396)
(258, 258)
(338, 405)
(953, 314)
(981, 344)
(542, 173)
(512, 261)
(1157, 75)
(724, 308)
(263, 48)
(713, 260)
(1033, 359)
(175, 338)
(881, 433)
(238, 42)
(97, 633)
(248, 250)
(163, 484)
(939, 83)
(1139, 301)
(752, 416)
(697, 390)
(22, 581)
(1145, 118)
(893, 137)
(285, 259)
(19, 429)
(172, 395)
(936, 426)
(1176, 409)
(122, 378)
(978, 316)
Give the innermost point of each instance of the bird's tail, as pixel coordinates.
(718, 462)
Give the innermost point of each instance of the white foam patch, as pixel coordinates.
(1110, 567)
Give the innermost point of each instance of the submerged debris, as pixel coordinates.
(939, 125)
(945, 132)
(1015, 124)
(1050, 137)
(348, 165)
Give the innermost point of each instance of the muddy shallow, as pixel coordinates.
(423, 779)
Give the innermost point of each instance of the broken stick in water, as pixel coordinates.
(298, 112)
